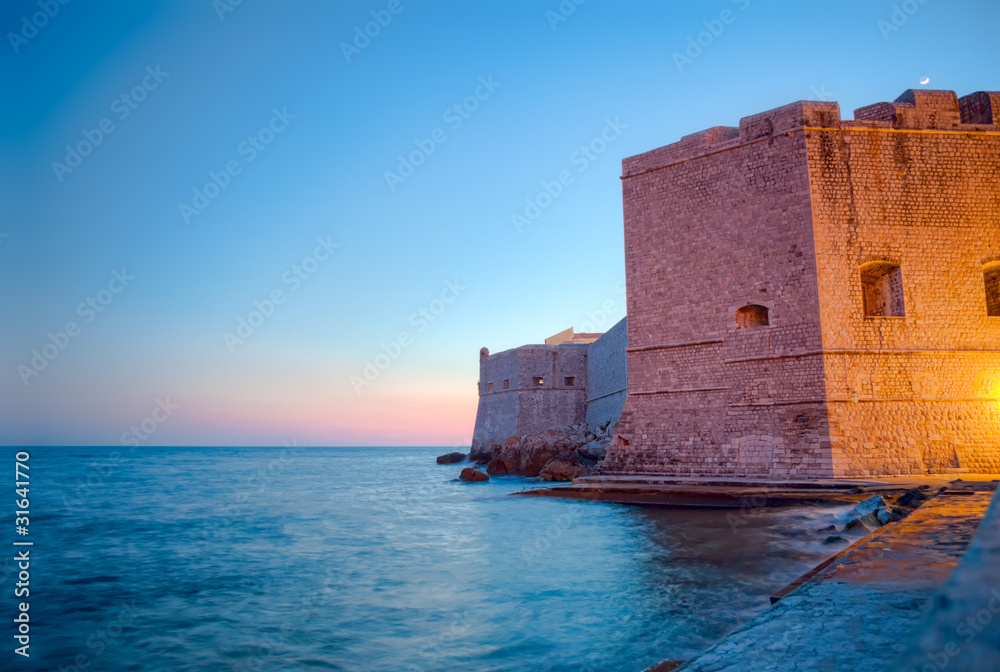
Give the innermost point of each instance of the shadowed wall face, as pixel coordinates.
(722, 284)
(991, 277)
(607, 376)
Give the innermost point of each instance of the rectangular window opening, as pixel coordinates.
(570, 381)
(882, 286)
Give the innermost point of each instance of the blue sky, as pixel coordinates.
(203, 86)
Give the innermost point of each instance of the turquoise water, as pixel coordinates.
(372, 559)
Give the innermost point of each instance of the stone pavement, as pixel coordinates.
(858, 613)
(709, 491)
(961, 630)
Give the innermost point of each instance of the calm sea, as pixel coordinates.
(369, 559)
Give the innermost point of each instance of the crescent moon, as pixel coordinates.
(925, 80)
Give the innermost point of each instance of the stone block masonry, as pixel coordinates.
(528, 390)
(607, 376)
(811, 297)
(533, 388)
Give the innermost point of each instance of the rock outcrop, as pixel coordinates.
(470, 475)
(871, 514)
(912, 498)
(565, 466)
(482, 455)
(553, 455)
(451, 458)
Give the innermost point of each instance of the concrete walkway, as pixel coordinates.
(961, 629)
(858, 613)
(718, 492)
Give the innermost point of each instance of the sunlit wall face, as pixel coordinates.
(280, 228)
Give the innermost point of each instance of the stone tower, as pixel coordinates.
(817, 297)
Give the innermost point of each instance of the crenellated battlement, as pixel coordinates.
(914, 109)
(790, 117)
(981, 107)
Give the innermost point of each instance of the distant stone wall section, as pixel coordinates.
(607, 376)
(562, 397)
(528, 390)
(496, 417)
(533, 388)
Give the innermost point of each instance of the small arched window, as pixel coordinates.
(752, 316)
(991, 275)
(882, 284)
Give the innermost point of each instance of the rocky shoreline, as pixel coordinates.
(552, 455)
(575, 451)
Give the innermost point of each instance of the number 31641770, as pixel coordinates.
(21, 484)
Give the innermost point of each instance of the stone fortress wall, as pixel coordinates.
(811, 297)
(533, 388)
(917, 194)
(607, 376)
